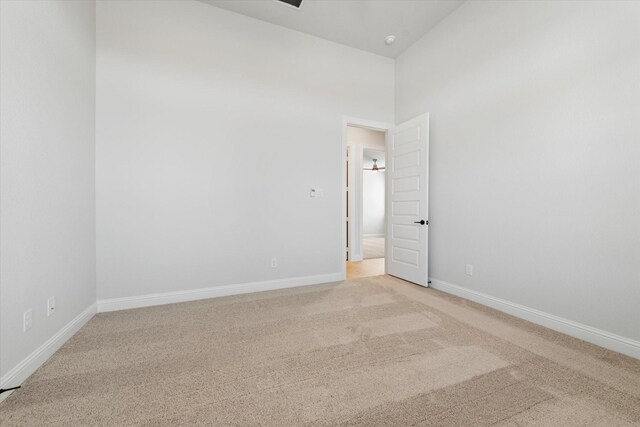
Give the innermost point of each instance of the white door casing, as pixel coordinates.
(407, 192)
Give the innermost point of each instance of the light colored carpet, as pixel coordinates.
(372, 247)
(374, 351)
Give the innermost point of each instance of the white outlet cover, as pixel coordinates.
(469, 270)
(51, 306)
(27, 320)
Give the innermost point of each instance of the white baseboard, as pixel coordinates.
(595, 336)
(149, 300)
(31, 363)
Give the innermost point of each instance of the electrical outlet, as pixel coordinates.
(27, 318)
(51, 306)
(469, 270)
(274, 262)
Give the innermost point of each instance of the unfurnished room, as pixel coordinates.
(317, 212)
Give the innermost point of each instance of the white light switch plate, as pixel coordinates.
(316, 192)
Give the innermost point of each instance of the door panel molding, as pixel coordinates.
(407, 202)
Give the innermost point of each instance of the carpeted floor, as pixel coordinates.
(373, 351)
(372, 247)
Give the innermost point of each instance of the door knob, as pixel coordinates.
(421, 222)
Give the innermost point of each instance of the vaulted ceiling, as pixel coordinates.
(362, 24)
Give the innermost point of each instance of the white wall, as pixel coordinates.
(365, 138)
(373, 188)
(372, 204)
(206, 121)
(535, 154)
(47, 221)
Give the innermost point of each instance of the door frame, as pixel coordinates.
(363, 123)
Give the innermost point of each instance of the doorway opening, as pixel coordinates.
(406, 148)
(365, 209)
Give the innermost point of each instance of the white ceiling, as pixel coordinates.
(362, 24)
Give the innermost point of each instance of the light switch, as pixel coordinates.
(317, 192)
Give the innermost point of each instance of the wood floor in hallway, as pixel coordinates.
(366, 268)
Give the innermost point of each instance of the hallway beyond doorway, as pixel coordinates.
(373, 247)
(366, 268)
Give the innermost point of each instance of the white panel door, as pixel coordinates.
(408, 200)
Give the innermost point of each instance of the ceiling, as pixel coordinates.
(361, 24)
